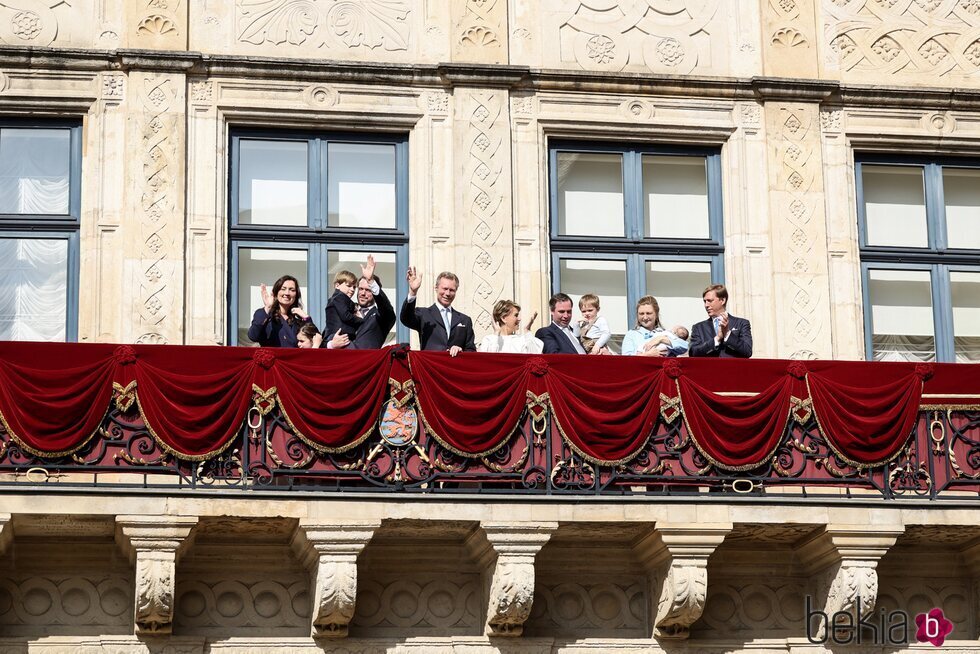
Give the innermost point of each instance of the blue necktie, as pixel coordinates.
(717, 321)
(445, 318)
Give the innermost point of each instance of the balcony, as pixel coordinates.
(192, 419)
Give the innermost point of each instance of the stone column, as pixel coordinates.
(154, 544)
(508, 556)
(329, 552)
(484, 214)
(676, 559)
(844, 561)
(799, 231)
(153, 230)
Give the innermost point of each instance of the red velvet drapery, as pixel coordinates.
(194, 400)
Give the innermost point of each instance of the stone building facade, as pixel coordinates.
(787, 94)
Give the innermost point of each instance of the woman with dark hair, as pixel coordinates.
(282, 316)
(649, 338)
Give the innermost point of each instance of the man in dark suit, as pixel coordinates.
(721, 335)
(558, 337)
(440, 327)
(376, 309)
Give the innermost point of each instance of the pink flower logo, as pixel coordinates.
(933, 627)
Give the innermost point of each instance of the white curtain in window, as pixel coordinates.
(28, 187)
(33, 289)
(43, 196)
(896, 347)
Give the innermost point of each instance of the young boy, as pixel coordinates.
(342, 311)
(593, 330)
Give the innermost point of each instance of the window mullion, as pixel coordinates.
(942, 310)
(935, 207)
(633, 195)
(318, 183)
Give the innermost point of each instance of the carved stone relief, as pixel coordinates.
(920, 594)
(485, 202)
(480, 31)
(202, 92)
(578, 610)
(113, 87)
(278, 605)
(419, 605)
(774, 608)
(160, 100)
(50, 602)
(33, 23)
(159, 24)
(799, 228)
(668, 37)
(344, 25)
(927, 38)
(789, 38)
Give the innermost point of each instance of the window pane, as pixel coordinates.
(33, 289)
(961, 189)
(675, 197)
(895, 206)
(362, 185)
(272, 183)
(352, 261)
(965, 293)
(590, 194)
(901, 315)
(35, 167)
(607, 279)
(678, 285)
(258, 266)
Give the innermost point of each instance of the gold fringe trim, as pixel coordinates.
(719, 464)
(169, 450)
(840, 455)
(263, 401)
(124, 395)
(39, 453)
(318, 446)
(949, 407)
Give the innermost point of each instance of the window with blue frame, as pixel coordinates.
(40, 209)
(310, 205)
(919, 230)
(629, 221)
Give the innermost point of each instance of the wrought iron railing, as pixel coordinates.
(940, 460)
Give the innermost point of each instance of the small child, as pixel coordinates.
(309, 337)
(593, 330)
(673, 340)
(342, 311)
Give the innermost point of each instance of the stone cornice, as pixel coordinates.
(447, 75)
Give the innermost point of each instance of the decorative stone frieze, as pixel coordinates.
(154, 544)
(676, 558)
(510, 549)
(329, 552)
(845, 560)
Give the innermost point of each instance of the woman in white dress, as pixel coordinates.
(509, 338)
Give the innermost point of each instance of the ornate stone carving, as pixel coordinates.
(154, 545)
(449, 604)
(364, 23)
(29, 23)
(54, 601)
(830, 121)
(662, 36)
(575, 607)
(484, 200)
(321, 96)
(437, 102)
(113, 86)
(512, 581)
(158, 199)
(202, 91)
(261, 604)
(637, 109)
(933, 39)
(329, 552)
(750, 116)
(772, 607)
(676, 557)
(845, 560)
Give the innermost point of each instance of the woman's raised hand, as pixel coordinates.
(299, 313)
(267, 298)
